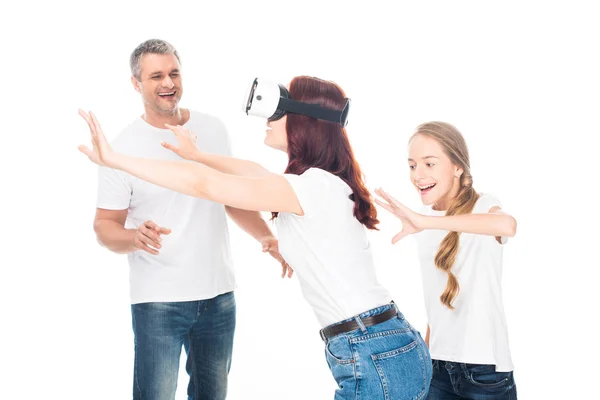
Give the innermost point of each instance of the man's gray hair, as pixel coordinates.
(151, 46)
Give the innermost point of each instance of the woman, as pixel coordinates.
(321, 209)
(460, 236)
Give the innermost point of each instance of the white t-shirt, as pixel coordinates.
(194, 262)
(329, 249)
(475, 332)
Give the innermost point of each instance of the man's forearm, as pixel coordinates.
(114, 236)
(250, 221)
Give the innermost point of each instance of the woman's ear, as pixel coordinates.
(458, 172)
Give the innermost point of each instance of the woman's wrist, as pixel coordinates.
(198, 156)
(423, 222)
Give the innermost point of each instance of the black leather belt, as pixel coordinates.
(350, 326)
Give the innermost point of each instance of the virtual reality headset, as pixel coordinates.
(272, 101)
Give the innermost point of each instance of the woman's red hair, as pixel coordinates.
(313, 143)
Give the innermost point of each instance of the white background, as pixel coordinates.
(521, 81)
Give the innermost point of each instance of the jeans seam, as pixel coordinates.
(383, 380)
(194, 376)
(392, 353)
(361, 338)
(423, 369)
(135, 356)
(355, 364)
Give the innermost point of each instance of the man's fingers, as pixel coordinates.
(159, 229)
(150, 233)
(150, 224)
(148, 249)
(143, 246)
(148, 237)
(153, 241)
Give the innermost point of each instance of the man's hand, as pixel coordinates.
(270, 244)
(147, 237)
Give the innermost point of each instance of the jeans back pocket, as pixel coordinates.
(403, 371)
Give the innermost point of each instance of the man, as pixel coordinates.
(181, 275)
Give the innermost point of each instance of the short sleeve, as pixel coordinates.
(114, 190)
(484, 204)
(311, 188)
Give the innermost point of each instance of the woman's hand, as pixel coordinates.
(411, 221)
(101, 152)
(187, 143)
(270, 244)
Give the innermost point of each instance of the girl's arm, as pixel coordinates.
(494, 223)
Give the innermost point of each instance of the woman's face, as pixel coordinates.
(276, 134)
(433, 174)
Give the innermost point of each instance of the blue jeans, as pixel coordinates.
(385, 361)
(204, 328)
(453, 380)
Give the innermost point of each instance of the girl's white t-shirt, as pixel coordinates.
(475, 332)
(329, 249)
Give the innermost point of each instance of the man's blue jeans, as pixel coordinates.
(204, 328)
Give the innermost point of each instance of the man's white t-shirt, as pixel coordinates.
(329, 249)
(475, 331)
(194, 262)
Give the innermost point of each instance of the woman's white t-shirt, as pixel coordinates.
(475, 331)
(328, 249)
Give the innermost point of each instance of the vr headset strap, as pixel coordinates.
(314, 110)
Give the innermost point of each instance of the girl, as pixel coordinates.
(460, 235)
(321, 209)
